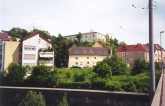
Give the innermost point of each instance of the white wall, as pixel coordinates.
(83, 60)
(36, 43)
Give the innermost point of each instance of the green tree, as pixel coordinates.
(112, 44)
(118, 67)
(33, 99)
(40, 76)
(61, 47)
(78, 40)
(103, 70)
(16, 74)
(64, 101)
(139, 66)
(18, 33)
(44, 33)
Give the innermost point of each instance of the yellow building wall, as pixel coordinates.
(11, 53)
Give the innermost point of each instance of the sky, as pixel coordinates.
(122, 19)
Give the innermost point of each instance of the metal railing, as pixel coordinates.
(158, 97)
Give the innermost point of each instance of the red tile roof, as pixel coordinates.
(132, 48)
(138, 47)
(89, 51)
(4, 36)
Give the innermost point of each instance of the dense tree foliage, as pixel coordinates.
(103, 70)
(140, 66)
(118, 67)
(78, 39)
(80, 78)
(44, 33)
(41, 75)
(16, 74)
(18, 33)
(61, 46)
(33, 99)
(112, 44)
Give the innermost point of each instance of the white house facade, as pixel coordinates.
(37, 50)
(86, 56)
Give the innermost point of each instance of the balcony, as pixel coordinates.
(46, 54)
(46, 62)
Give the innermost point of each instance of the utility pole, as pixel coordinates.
(161, 49)
(151, 50)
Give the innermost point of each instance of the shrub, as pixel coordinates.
(40, 70)
(16, 74)
(41, 76)
(118, 67)
(33, 99)
(139, 66)
(98, 83)
(129, 86)
(113, 85)
(103, 70)
(142, 82)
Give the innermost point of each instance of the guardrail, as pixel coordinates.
(157, 99)
(11, 96)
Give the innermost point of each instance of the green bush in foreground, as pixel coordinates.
(98, 78)
(118, 67)
(103, 70)
(33, 99)
(16, 74)
(140, 66)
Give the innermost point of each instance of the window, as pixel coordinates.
(76, 58)
(95, 57)
(29, 56)
(76, 63)
(87, 57)
(29, 48)
(88, 62)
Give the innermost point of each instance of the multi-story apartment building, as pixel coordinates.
(159, 52)
(88, 37)
(9, 51)
(37, 50)
(130, 53)
(86, 56)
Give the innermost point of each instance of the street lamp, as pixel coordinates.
(151, 50)
(161, 48)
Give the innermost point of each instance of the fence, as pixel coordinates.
(11, 96)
